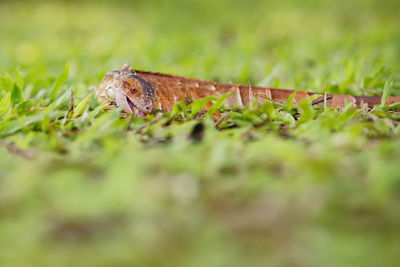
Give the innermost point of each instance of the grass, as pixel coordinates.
(277, 185)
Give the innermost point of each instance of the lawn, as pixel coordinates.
(276, 185)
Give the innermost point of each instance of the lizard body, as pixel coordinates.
(144, 92)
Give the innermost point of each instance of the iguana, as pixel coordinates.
(144, 92)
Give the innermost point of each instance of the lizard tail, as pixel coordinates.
(334, 100)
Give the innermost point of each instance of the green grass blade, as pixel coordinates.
(387, 90)
(218, 103)
(5, 103)
(199, 105)
(82, 106)
(59, 82)
(289, 103)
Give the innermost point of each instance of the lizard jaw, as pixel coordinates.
(133, 107)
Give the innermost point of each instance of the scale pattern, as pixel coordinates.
(171, 89)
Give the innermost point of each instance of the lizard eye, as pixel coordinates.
(134, 90)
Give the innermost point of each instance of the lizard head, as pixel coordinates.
(127, 90)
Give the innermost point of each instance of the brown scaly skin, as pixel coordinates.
(145, 92)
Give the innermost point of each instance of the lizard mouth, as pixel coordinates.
(134, 108)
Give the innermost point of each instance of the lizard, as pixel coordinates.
(142, 92)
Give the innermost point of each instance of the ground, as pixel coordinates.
(277, 185)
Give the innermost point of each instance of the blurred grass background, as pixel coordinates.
(97, 190)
